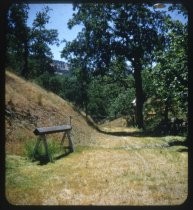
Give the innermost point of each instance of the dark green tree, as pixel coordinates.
(18, 38)
(41, 39)
(79, 62)
(170, 75)
(111, 30)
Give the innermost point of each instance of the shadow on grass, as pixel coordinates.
(45, 159)
(62, 155)
(134, 133)
(144, 133)
(182, 150)
(42, 159)
(178, 143)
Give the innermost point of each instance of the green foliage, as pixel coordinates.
(43, 80)
(71, 89)
(110, 60)
(28, 51)
(55, 84)
(122, 104)
(18, 35)
(108, 98)
(41, 39)
(67, 87)
(29, 148)
(101, 95)
(115, 31)
(53, 149)
(167, 83)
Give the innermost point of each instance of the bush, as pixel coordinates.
(54, 148)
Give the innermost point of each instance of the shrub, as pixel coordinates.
(53, 148)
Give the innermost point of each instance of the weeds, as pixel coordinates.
(54, 149)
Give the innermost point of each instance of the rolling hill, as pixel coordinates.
(29, 106)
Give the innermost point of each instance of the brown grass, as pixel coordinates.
(104, 170)
(29, 106)
(101, 176)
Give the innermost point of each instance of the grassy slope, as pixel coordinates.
(110, 170)
(29, 106)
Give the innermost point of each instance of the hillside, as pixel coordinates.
(129, 169)
(29, 106)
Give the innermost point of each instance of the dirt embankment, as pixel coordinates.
(28, 106)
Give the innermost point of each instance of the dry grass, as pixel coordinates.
(104, 170)
(29, 106)
(102, 175)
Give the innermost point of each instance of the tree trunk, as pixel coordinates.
(25, 70)
(138, 93)
(166, 110)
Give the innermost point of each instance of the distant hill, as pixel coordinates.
(61, 67)
(29, 106)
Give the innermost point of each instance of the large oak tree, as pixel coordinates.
(134, 31)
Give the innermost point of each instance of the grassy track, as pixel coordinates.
(113, 171)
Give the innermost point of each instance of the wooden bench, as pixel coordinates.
(41, 132)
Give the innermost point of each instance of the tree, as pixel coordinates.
(18, 37)
(28, 49)
(41, 39)
(170, 75)
(79, 66)
(112, 30)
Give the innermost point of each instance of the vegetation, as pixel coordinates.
(110, 38)
(110, 62)
(54, 149)
(127, 96)
(146, 170)
(28, 48)
(28, 106)
(116, 171)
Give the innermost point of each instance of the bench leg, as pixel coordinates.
(46, 148)
(36, 147)
(62, 141)
(70, 142)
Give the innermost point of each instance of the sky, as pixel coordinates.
(59, 16)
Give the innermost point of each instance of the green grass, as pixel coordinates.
(103, 175)
(54, 149)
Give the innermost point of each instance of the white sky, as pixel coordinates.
(59, 16)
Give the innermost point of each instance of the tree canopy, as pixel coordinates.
(113, 30)
(125, 53)
(28, 47)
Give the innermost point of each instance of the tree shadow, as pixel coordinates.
(143, 133)
(177, 143)
(182, 150)
(62, 155)
(41, 159)
(134, 133)
(45, 159)
(184, 145)
(171, 143)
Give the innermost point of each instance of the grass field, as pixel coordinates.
(104, 169)
(114, 171)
